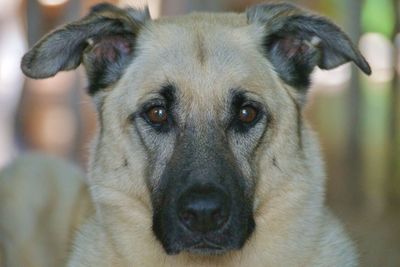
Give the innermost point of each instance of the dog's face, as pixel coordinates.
(191, 108)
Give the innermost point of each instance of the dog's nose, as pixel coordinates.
(203, 210)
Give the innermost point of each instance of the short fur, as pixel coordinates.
(266, 55)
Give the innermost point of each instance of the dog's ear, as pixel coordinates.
(295, 41)
(103, 41)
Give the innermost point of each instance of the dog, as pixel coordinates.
(43, 201)
(203, 157)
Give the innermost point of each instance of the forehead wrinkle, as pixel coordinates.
(197, 107)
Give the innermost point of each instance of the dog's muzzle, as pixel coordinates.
(202, 204)
(203, 219)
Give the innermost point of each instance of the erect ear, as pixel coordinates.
(295, 41)
(103, 40)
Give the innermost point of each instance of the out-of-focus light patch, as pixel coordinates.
(397, 44)
(379, 52)
(57, 129)
(52, 2)
(12, 47)
(11, 51)
(331, 79)
(56, 85)
(8, 8)
(154, 5)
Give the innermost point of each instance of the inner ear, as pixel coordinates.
(105, 59)
(292, 46)
(293, 56)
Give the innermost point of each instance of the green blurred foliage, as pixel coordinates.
(378, 16)
(375, 125)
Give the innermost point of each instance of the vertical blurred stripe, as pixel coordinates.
(12, 46)
(154, 5)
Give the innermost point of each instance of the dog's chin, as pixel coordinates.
(206, 245)
(205, 249)
(201, 249)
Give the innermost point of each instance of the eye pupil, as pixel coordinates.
(157, 115)
(247, 114)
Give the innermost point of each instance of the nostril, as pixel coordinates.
(219, 216)
(186, 216)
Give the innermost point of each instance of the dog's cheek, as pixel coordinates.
(245, 148)
(158, 148)
(155, 169)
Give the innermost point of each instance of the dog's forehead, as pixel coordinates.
(204, 55)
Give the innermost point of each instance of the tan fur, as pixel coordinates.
(43, 200)
(205, 55)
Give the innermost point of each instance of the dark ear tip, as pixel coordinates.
(26, 63)
(30, 69)
(367, 69)
(364, 66)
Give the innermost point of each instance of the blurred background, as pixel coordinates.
(357, 117)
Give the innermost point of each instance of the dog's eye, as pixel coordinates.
(157, 115)
(247, 114)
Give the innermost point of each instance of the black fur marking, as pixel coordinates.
(167, 94)
(275, 163)
(239, 99)
(168, 91)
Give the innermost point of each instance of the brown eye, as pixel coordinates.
(157, 115)
(247, 114)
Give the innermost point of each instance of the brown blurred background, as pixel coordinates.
(357, 117)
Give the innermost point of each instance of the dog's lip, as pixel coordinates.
(208, 245)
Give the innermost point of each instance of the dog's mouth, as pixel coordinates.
(206, 247)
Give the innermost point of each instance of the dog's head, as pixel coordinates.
(196, 112)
